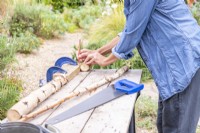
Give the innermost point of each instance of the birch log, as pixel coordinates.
(90, 88)
(28, 103)
(84, 67)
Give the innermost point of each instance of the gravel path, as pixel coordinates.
(32, 67)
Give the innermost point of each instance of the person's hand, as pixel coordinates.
(82, 54)
(95, 58)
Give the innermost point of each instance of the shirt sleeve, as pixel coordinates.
(137, 17)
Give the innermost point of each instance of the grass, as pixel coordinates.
(146, 112)
(10, 90)
(107, 27)
(7, 51)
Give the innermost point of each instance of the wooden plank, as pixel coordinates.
(75, 124)
(66, 89)
(114, 116)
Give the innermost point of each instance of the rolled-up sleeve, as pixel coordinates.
(137, 17)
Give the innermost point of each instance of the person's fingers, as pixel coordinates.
(89, 57)
(90, 62)
(84, 50)
(83, 59)
(83, 55)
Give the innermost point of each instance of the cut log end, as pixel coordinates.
(84, 67)
(13, 115)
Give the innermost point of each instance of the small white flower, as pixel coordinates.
(109, 12)
(104, 13)
(114, 6)
(108, 2)
(107, 8)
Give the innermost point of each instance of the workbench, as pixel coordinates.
(115, 116)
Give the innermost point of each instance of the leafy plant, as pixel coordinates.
(146, 111)
(37, 19)
(7, 51)
(9, 94)
(60, 5)
(107, 27)
(196, 11)
(81, 17)
(26, 43)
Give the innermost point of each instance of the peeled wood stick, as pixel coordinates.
(83, 67)
(79, 47)
(90, 88)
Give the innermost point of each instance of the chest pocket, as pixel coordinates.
(169, 4)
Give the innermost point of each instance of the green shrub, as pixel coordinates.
(7, 51)
(26, 43)
(196, 11)
(9, 94)
(59, 5)
(146, 112)
(37, 19)
(105, 30)
(107, 27)
(81, 17)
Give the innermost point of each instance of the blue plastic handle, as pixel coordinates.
(128, 86)
(65, 60)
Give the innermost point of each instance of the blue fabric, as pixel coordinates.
(167, 38)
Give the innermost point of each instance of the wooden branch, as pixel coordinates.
(90, 88)
(28, 103)
(84, 67)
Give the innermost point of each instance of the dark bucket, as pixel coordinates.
(21, 127)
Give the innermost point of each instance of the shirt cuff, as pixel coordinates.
(125, 56)
(119, 34)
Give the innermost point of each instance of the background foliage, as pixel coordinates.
(10, 90)
(36, 19)
(26, 43)
(7, 51)
(196, 11)
(82, 17)
(60, 5)
(146, 112)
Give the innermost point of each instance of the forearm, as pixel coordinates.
(110, 59)
(108, 47)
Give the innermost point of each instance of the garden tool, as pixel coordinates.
(57, 68)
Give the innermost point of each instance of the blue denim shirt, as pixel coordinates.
(167, 38)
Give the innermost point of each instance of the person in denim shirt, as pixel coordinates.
(168, 40)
